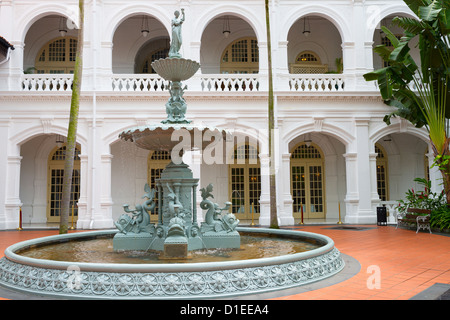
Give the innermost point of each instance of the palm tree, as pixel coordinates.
(272, 177)
(73, 124)
(420, 94)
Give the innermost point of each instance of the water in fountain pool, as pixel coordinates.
(100, 250)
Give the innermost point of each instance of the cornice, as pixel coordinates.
(365, 96)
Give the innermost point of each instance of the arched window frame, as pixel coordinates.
(246, 62)
(55, 174)
(244, 176)
(61, 61)
(382, 173)
(308, 181)
(156, 163)
(160, 53)
(312, 64)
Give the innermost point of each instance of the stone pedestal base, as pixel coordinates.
(135, 241)
(175, 247)
(222, 239)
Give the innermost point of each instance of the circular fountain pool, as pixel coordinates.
(83, 265)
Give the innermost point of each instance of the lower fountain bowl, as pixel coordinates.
(207, 280)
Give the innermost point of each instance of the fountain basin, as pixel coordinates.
(204, 280)
(161, 136)
(175, 69)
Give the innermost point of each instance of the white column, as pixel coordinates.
(15, 67)
(12, 203)
(365, 211)
(84, 217)
(106, 201)
(264, 200)
(285, 214)
(373, 178)
(352, 196)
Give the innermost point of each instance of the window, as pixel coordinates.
(55, 184)
(308, 62)
(386, 42)
(382, 170)
(241, 56)
(156, 55)
(245, 182)
(57, 56)
(157, 162)
(307, 181)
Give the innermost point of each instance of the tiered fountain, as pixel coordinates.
(31, 266)
(177, 231)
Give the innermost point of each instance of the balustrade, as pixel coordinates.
(47, 82)
(317, 82)
(204, 82)
(138, 82)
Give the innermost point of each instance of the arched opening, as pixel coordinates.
(235, 51)
(400, 159)
(380, 38)
(50, 46)
(317, 175)
(314, 46)
(138, 40)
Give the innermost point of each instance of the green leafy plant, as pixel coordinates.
(440, 218)
(423, 199)
(420, 94)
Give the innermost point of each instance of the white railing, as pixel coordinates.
(47, 82)
(316, 82)
(203, 82)
(230, 82)
(138, 82)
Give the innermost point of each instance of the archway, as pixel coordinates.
(314, 46)
(236, 52)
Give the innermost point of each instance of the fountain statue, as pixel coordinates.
(177, 231)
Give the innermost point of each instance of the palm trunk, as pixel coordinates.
(443, 163)
(273, 187)
(73, 124)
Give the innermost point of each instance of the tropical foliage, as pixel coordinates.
(419, 93)
(425, 199)
(422, 199)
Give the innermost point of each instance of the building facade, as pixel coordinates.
(335, 157)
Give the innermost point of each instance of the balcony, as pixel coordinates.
(220, 83)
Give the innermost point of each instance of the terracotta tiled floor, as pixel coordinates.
(402, 262)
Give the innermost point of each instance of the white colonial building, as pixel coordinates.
(334, 153)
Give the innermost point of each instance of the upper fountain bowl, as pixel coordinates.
(175, 69)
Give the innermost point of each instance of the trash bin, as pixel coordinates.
(381, 216)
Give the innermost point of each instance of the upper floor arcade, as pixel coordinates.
(325, 46)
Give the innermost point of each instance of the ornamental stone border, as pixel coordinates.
(167, 281)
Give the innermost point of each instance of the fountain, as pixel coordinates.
(177, 231)
(177, 234)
